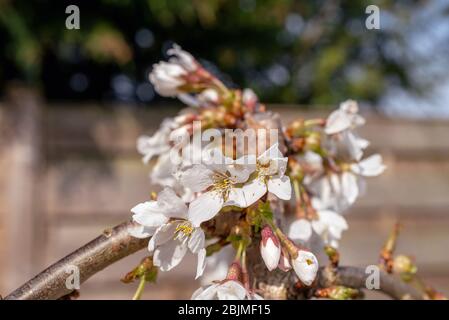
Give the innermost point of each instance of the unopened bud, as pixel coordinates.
(284, 261)
(306, 266)
(234, 272)
(270, 248)
(404, 266)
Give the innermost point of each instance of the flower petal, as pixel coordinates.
(169, 255)
(337, 121)
(254, 190)
(236, 198)
(231, 290)
(205, 207)
(272, 152)
(280, 187)
(196, 240)
(369, 167)
(162, 234)
(148, 214)
(349, 187)
(305, 266)
(201, 263)
(300, 230)
(208, 293)
(171, 205)
(198, 178)
(354, 145)
(141, 232)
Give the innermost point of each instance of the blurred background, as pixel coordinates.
(73, 102)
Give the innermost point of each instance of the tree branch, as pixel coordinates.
(115, 244)
(355, 277)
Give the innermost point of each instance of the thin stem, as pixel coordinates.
(238, 255)
(245, 271)
(140, 289)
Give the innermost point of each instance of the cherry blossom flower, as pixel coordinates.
(344, 118)
(270, 248)
(329, 225)
(305, 265)
(231, 288)
(158, 143)
(338, 191)
(352, 179)
(168, 77)
(218, 182)
(341, 123)
(151, 215)
(227, 290)
(269, 176)
(172, 240)
(172, 234)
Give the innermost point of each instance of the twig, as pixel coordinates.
(113, 245)
(355, 277)
(117, 243)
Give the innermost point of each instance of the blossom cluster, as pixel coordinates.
(316, 166)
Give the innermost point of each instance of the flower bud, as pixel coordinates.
(270, 248)
(404, 266)
(234, 271)
(284, 261)
(305, 265)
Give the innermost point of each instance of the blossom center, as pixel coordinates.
(185, 229)
(223, 185)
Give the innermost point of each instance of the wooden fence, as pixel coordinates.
(68, 172)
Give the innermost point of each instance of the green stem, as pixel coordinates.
(140, 289)
(239, 251)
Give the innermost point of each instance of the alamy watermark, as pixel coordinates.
(73, 20)
(72, 282)
(373, 19)
(372, 281)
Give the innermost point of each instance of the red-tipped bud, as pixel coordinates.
(270, 248)
(284, 261)
(234, 272)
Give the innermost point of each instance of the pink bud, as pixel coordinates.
(270, 248)
(284, 261)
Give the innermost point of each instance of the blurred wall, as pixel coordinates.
(69, 172)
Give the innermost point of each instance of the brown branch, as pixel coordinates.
(355, 277)
(115, 244)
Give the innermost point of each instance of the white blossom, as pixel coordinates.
(158, 143)
(172, 240)
(168, 77)
(172, 233)
(269, 176)
(305, 266)
(152, 214)
(329, 225)
(226, 290)
(340, 125)
(218, 182)
(338, 191)
(270, 248)
(344, 118)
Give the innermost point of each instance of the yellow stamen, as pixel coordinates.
(185, 228)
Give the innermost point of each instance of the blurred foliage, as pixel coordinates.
(311, 52)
